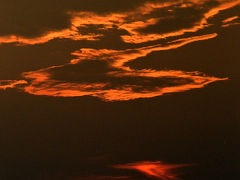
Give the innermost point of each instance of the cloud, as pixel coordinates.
(155, 169)
(29, 18)
(4, 84)
(230, 21)
(103, 73)
(168, 18)
(144, 170)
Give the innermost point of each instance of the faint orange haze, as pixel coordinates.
(156, 169)
(43, 81)
(148, 169)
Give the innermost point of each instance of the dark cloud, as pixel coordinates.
(31, 18)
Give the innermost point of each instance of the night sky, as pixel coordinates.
(119, 90)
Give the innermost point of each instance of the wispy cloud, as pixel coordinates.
(142, 170)
(155, 169)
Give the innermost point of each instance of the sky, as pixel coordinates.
(99, 90)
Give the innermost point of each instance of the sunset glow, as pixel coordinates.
(42, 82)
(119, 90)
(156, 169)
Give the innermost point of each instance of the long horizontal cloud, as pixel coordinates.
(156, 169)
(112, 80)
(144, 170)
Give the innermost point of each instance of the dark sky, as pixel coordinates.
(104, 90)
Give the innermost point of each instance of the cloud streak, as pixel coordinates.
(156, 169)
(143, 170)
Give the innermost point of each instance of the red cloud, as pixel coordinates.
(154, 169)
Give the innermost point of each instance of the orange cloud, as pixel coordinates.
(156, 169)
(230, 21)
(4, 84)
(68, 34)
(112, 87)
(117, 83)
(148, 170)
(136, 37)
(125, 92)
(130, 21)
(117, 58)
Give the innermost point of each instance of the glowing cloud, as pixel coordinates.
(148, 170)
(156, 169)
(230, 21)
(131, 22)
(117, 81)
(4, 84)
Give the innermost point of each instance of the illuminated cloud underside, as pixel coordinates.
(117, 81)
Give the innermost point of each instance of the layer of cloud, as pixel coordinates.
(103, 73)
